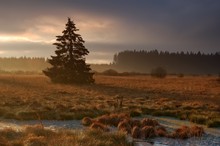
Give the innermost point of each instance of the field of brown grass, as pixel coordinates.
(195, 98)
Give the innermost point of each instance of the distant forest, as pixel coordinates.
(179, 62)
(132, 61)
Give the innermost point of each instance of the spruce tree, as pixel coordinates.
(68, 65)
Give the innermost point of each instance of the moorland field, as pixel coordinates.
(194, 98)
(34, 97)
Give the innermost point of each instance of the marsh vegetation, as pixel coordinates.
(27, 97)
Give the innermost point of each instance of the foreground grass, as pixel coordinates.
(27, 97)
(38, 136)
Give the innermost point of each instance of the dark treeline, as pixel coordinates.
(36, 64)
(179, 62)
(132, 61)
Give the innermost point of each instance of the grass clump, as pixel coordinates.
(185, 132)
(37, 135)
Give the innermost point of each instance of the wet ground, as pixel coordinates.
(210, 138)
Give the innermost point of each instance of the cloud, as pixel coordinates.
(112, 26)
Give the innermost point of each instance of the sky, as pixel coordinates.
(28, 27)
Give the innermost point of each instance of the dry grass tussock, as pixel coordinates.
(141, 129)
(39, 136)
(26, 97)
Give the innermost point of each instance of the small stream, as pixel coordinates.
(210, 138)
(49, 124)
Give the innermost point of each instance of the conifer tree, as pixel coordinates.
(68, 65)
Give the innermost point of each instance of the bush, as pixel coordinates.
(218, 79)
(180, 75)
(110, 72)
(159, 72)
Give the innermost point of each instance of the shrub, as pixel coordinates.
(180, 75)
(110, 72)
(218, 79)
(159, 72)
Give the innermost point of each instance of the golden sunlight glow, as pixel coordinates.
(21, 39)
(13, 38)
(2, 52)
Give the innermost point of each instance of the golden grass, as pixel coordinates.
(39, 136)
(35, 97)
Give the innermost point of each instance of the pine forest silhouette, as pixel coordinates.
(179, 62)
(133, 61)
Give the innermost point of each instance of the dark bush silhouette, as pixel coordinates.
(68, 66)
(218, 79)
(159, 72)
(110, 72)
(180, 75)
